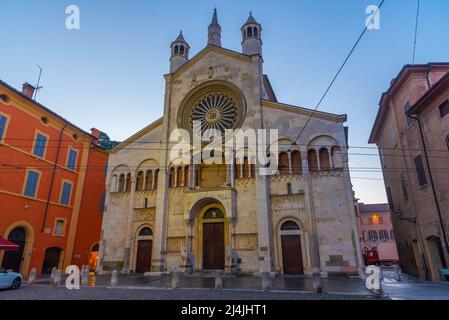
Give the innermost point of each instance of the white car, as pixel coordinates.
(10, 280)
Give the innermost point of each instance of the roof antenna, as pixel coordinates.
(38, 82)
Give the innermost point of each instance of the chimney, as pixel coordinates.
(96, 133)
(28, 90)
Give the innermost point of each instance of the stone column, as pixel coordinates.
(153, 183)
(127, 250)
(318, 159)
(329, 152)
(310, 206)
(289, 154)
(158, 263)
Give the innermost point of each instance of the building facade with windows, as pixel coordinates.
(46, 193)
(161, 214)
(411, 131)
(376, 232)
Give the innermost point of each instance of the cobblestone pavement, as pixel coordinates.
(285, 283)
(411, 288)
(47, 292)
(194, 287)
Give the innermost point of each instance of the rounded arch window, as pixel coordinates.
(213, 213)
(290, 225)
(181, 49)
(145, 232)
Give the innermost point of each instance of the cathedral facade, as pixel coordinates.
(161, 215)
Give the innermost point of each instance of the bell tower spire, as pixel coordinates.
(214, 31)
(251, 35)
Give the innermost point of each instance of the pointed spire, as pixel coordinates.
(214, 21)
(214, 31)
(180, 38)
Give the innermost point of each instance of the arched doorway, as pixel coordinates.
(51, 259)
(291, 248)
(436, 256)
(213, 234)
(13, 259)
(144, 249)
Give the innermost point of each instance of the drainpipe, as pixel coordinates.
(435, 197)
(47, 205)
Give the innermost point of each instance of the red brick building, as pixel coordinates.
(51, 185)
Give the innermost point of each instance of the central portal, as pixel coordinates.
(213, 239)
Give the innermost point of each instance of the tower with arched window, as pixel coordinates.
(179, 52)
(251, 36)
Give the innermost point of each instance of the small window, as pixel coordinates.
(444, 108)
(71, 159)
(2, 126)
(389, 197)
(250, 32)
(146, 232)
(404, 185)
(363, 235)
(39, 145)
(59, 227)
(44, 120)
(181, 50)
(422, 178)
(102, 202)
(66, 193)
(4, 98)
(370, 221)
(383, 234)
(213, 213)
(289, 188)
(176, 49)
(372, 234)
(31, 184)
(407, 107)
(255, 32)
(381, 220)
(289, 225)
(145, 203)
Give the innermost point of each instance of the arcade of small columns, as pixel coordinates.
(289, 162)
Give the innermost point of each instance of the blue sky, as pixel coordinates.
(109, 74)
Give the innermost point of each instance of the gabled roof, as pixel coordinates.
(439, 85)
(212, 48)
(44, 108)
(138, 135)
(395, 84)
(375, 207)
(305, 111)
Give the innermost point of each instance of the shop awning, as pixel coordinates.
(8, 245)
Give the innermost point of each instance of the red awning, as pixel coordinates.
(8, 245)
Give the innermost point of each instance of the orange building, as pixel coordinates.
(51, 185)
(376, 233)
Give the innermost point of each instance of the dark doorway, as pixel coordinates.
(143, 263)
(291, 254)
(291, 248)
(213, 246)
(51, 259)
(13, 259)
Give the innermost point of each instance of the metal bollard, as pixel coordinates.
(267, 281)
(32, 276)
(58, 276)
(85, 277)
(397, 273)
(317, 285)
(53, 272)
(114, 278)
(219, 279)
(175, 279)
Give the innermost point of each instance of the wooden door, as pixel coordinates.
(51, 259)
(292, 254)
(213, 246)
(144, 248)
